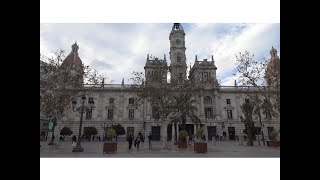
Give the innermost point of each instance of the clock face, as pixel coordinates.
(178, 41)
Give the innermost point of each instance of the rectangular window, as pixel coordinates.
(229, 114)
(246, 100)
(208, 112)
(110, 113)
(205, 76)
(131, 113)
(89, 114)
(111, 100)
(131, 101)
(228, 101)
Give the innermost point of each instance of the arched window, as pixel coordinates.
(207, 100)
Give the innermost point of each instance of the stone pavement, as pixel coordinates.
(224, 149)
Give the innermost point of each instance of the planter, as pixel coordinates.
(200, 147)
(109, 147)
(273, 143)
(182, 145)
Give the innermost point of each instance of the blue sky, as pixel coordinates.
(118, 49)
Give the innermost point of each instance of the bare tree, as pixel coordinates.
(248, 108)
(264, 98)
(171, 102)
(156, 92)
(60, 83)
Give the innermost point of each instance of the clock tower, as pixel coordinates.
(178, 65)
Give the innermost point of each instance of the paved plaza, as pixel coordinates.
(224, 149)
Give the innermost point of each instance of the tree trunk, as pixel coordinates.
(184, 127)
(249, 132)
(261, 129)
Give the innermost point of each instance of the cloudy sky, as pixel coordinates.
(119, 49)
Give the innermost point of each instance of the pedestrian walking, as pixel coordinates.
(74, 141)
(130, 140)
(141, 141)
(150, 139)
(137, 142)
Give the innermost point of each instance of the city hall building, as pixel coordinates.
(218, 106)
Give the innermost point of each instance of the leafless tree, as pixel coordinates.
(264, 97)
(61, 82)
(171, 102)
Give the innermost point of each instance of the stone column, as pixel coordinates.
(201, 106)
(172, 132)
(178, 131)
(218, 106)
(237, 103)
(164, 134)
(206, 131)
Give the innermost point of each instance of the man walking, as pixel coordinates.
(150, 139)
(130, 139)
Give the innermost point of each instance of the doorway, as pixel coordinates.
(190, 129)
(155, 130)
(212, 132)
(169, 132)
(232, 133)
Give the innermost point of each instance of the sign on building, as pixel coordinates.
(50, 126)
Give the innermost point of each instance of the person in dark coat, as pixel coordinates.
(130, 140)
(137, 142)
(150, 139)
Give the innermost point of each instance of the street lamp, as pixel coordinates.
(81, 109)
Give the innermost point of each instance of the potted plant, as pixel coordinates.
(182, 141)
(119, 130)
(273, 142)
(109, 147)
(200, 146)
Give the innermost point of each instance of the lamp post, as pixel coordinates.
(81, 109)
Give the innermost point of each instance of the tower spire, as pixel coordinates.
(148, 56)
(273, 52)
(164, 58)
(122, 82)
(196, 58)
(75, 48)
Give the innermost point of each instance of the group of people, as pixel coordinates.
(138, 142)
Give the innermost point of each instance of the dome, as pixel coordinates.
(73, 57)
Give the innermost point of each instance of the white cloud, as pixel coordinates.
(125, 46)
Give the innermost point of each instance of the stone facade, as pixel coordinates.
(218, 106)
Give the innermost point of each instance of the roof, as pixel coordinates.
(73, 58)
